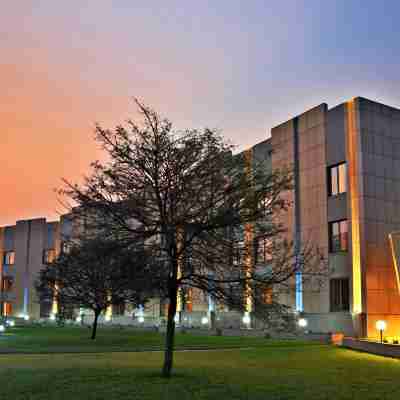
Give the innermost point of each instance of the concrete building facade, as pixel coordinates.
(346, 201)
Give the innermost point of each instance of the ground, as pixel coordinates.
(267, 370)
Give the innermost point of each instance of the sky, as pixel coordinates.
(238, 66)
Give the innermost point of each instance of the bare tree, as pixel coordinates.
(196, 207)
(95, 273)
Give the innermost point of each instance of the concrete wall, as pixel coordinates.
(388, 350)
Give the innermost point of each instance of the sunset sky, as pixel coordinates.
(241, 66)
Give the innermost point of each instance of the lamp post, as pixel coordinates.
(381, 326)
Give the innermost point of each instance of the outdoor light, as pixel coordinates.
(246, 319)
(26, 317)
(107, 317)
(141, 319)
(2, 328)
(302, 322)
(204, 320)
(53, 317)
(78, 319)
(381, 326)
(10, 323)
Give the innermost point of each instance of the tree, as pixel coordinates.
(197, 209)
(95, 273)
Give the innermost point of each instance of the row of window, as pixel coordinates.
(49, 255)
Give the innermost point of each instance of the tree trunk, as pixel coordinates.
(94, 327)
(170, 334)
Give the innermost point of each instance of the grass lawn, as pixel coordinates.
(76, 339)
(272, 370)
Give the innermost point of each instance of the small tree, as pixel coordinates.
(95, 273)
(197, 208)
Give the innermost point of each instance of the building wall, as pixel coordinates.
(377, 128)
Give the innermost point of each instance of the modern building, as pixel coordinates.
(346, 200)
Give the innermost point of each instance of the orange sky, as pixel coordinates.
(66, 65)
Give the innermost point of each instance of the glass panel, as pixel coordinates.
(343, 236)
(334, 181)
(335, 237)
(342, 178)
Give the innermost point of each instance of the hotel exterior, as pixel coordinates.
(346, 200)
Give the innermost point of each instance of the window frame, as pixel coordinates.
(340, 249)
(337, 168)
(343, 294)
(6, 258)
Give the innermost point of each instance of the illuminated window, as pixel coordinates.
(6, 284)
(7, 309)
(337, 179)
(49, 255)
(338, 236)
(339, 294)
(9, 258)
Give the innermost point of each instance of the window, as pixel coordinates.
(262, 251)
(6, 284)
(339, 294)
(49, 255)
(7, 309)
(338, 236)
(337, 179)
(118, 309)
(9, 258)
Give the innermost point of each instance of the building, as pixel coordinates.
(346, 163)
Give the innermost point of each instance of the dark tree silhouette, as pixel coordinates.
(196, 207)
(95, 273)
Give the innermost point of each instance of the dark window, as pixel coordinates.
(337, 179)
(9, 258)
(118, 309)
(45, 309)
(49, 255)
(262, 251)
(339, 294)
(338, 236)
(6, 284)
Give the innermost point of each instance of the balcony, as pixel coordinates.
(8, 270)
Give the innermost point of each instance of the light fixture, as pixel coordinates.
(246, 319)
(78, 319)
(10, 323)
(2, 328)
(107, 317)
(381, 326)
(302, 322)
(26, 317)
(204, 320)
(53, 317)
(141, 319)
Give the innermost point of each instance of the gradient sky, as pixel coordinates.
(241, 66)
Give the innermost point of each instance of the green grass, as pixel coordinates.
(264, 370)
(76, 339)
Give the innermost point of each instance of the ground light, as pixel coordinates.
(2, 328)
(204, 320)
(381, 326)
(53, 317)
(141, 319)
(302, 322)
(10, 323)
(246, 319)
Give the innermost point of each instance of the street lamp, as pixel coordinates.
(204, 320)
(381, 326)
(246, 319)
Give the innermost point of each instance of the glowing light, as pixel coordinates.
(10, 323)
(107, 317)
(394, 246)
(2, 328)
(246, 319)
(204, 320)
(141, 319)
(53, 317)
(78, 319)
(26, 317)
(302, 322)
(354, 202)
(381, 325)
